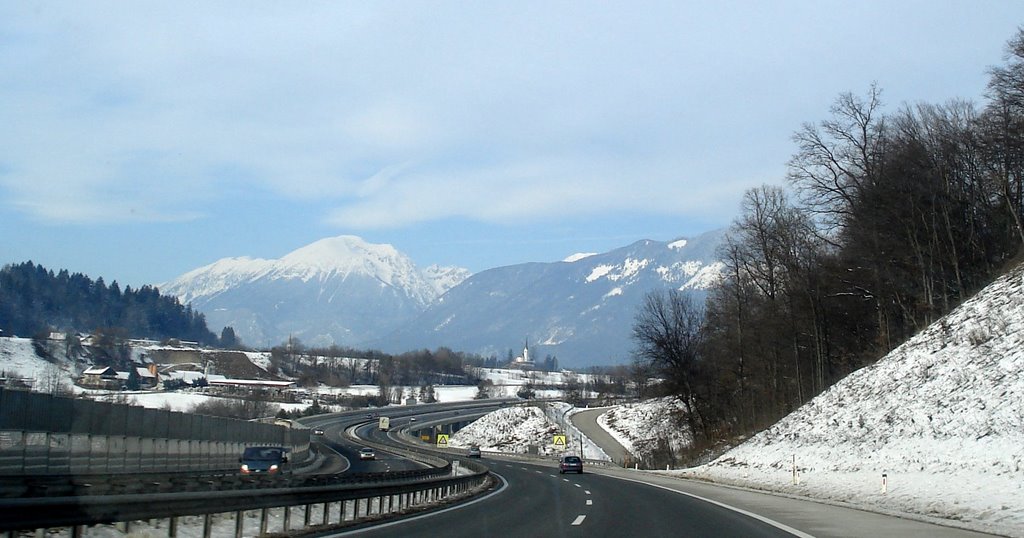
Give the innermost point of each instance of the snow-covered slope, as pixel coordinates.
(640, 427)
(336, 290)
(942, 416)
(510, 429)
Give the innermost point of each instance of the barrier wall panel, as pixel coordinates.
(59, 460)
(135, 421)
(36, 452)
(81, 446)
(117, 453)
(88, 436)
(116, 424)
(12, 452)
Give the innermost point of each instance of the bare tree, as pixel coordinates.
(668, 332)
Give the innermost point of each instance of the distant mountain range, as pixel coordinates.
(346, 291)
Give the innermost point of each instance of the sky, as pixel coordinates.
(140, 140)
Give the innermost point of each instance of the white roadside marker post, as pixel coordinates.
(885, 483)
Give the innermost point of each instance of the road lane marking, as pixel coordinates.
(577, 485)
(565, 480)
(587, 491)
(773, 523)
(590, 502)
(579, 520)
(552, 476)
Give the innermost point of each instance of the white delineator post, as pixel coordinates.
(796, 478)
(885, 483)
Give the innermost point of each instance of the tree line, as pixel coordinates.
(891, 219)
(35, 300)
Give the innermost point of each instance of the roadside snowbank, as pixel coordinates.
(510, 430)
(641, 427)
(941, 416)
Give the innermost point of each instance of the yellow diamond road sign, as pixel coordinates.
(442, 440)
(560, 441)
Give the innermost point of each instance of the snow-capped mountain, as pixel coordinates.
(580, 310)
(337, 290)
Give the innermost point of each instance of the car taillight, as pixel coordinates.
(245, 469)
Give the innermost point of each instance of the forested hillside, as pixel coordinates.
(893, 218)
(34, 299)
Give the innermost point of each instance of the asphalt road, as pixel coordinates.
(817, 519)
(536, 501)
(539, 502)
(586, 421)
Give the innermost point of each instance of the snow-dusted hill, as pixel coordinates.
(640, 427)
(510, 429)
(942, 416)
(336, 290)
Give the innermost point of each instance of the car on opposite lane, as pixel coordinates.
(367, 453)
(263, 460)
(473, 452)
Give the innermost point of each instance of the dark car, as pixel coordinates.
(263, 460)
(570, 464)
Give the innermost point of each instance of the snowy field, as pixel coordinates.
(942, 416)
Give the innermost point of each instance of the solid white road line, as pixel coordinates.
(759, 517)
(579, 519)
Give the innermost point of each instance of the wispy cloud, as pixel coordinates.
(398, 115)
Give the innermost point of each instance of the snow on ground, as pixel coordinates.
(454, 393)
(19, 360)
(510, 429)
(941, 416)
(639, 426)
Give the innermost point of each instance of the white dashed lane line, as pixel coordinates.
(590, 502)
(577, 485)
(579, 520)
(587, 491)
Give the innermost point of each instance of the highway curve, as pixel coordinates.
(539, 502)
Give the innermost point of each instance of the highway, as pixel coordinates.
(536, 501)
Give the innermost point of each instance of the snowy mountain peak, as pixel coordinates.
(344, 255)
(578, 256)
(337, 289)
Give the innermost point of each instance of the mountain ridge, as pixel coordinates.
(343, 290)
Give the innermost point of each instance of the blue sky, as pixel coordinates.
(141, 140)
